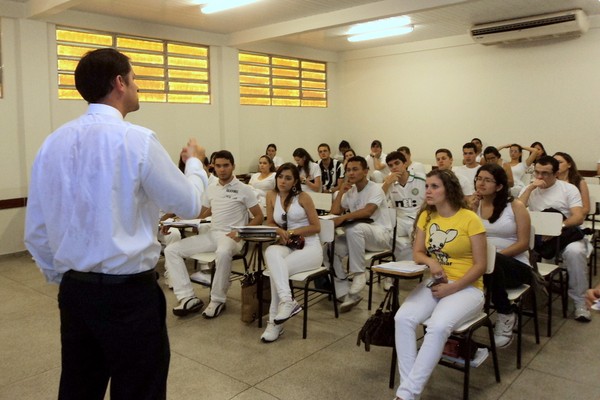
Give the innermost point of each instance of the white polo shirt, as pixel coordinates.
(229, 204)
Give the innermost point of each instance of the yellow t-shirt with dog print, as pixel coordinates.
(448, 241)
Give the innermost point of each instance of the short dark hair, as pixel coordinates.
(224, 154)
(96, 72)
(491, 150)
(358, 159)
(548, 160)
(376, 143)
(404, 149)
(344, 145)
(395, 155)
(448, 152)
(324, 145)
(470, 145)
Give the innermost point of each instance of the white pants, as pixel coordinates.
(446, 313)
(575, 260)
(357, 239)
(224, 247)
(283, 262)
(173, 236)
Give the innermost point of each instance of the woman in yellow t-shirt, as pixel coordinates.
(450, 239)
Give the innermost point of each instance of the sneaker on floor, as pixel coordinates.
(213, 310)
(272, 333)
(201, 278)
(187, 306)
(582, 314)
(286, 310)
(358, 283)
(387, 284)
(503, 331)
(349, 302)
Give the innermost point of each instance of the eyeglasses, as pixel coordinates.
(284, 218)
(484, 180)
(545, 174)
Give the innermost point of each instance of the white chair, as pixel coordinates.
(591, 222)
(322, 201)
(326, 235)
(209, 258)
(550, 224)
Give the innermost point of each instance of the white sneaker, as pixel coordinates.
(350, 302)
(503, 331)
(286, 310)
(272, 333)
(187, 306)
(582, 314)
(213, 310)
(358, 283)
(201, 278)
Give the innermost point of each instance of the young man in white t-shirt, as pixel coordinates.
(444, 160)
(546, 191)
(228, 202)
(358, 199)
(469, 167)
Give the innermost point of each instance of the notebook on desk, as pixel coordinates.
(402, 266)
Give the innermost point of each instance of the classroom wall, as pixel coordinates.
(443, 93)
(426, 95)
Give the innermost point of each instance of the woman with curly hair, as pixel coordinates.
(450, 240)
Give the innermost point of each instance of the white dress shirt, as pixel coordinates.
(96, 188)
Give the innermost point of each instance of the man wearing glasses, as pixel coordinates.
(545, 192)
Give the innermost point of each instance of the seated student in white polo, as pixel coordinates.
(228, 202)
(413, 167)
(545, 192)
(362, 200)
(406, 193)
(444, 160)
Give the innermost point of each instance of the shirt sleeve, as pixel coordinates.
(315, 170)
(573, 196)
(475, 224)
(166, 186)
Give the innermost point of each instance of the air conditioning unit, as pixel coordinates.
(560, 24)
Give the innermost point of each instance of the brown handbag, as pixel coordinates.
(250, 295)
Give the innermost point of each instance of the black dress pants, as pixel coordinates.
(112, 331)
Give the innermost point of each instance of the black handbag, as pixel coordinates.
(379, 328)
(548, 249)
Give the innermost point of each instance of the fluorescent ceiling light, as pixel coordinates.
(379, 25)
(381, 34)
(221, 5)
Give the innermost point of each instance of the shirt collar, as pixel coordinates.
(104, 109)
(231, 183)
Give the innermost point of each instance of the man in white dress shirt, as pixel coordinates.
(96, 188)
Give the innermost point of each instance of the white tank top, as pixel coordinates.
(503, 232)
(294, 218)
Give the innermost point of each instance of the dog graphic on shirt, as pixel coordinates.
(437, 240)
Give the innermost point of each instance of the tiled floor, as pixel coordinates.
(224, 358)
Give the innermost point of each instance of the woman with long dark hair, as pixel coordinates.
(450, 240)
(310, 172)
(293, 213)
(508, 226)
(568, 172)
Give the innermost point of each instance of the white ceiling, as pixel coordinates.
(318, 24)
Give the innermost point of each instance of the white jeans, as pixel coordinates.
(283, 262)
(356, 240)
(575, 260)
(224, 247)
(446, 313)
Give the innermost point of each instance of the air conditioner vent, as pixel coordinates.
(571, 23)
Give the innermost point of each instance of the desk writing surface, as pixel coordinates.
(404, 268)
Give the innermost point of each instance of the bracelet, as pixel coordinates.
(290, 233)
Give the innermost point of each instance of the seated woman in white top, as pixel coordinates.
(264, 180)
(568, 172)
(519, 166)
(293, 213)
(508, 226)
(310, 172)
(272, 153)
